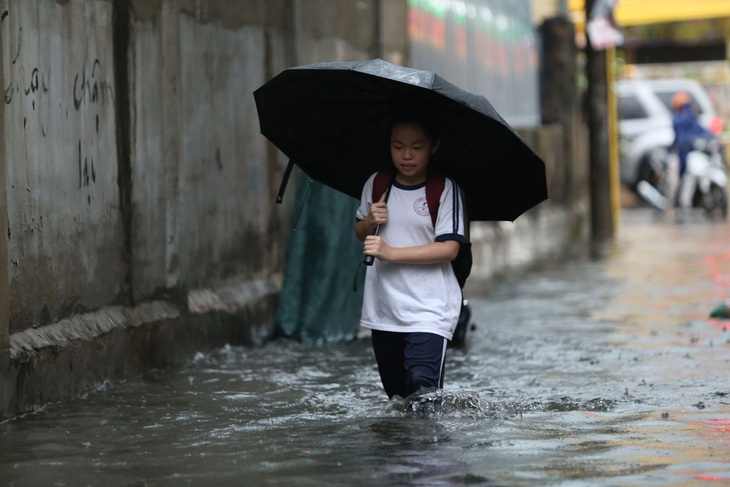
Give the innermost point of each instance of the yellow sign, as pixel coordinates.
(639, 12)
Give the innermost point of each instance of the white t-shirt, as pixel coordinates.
(413, 297)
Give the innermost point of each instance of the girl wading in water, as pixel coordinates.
(412, 298)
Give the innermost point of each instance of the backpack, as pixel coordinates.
(435, 183)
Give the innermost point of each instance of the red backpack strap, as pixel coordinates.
(381, 183)
(435, 183)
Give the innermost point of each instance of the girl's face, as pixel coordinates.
(411, 149)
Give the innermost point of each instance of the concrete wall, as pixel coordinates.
(201, 186)
(138, 192)
(64, 228)
(562, 223)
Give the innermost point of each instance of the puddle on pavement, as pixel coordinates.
(596, 372)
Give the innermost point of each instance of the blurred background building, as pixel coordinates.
(484, 46)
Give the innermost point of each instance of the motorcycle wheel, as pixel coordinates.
(653, 169)
(716, 206)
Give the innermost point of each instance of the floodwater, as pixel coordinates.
(596, 372)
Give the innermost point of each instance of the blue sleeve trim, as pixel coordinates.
(450, 236)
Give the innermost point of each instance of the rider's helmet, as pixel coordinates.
(680, 99)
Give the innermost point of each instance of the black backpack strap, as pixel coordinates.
(435, 183)
(382, 182)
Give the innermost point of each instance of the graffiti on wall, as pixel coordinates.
(74, 104)
(90, 87)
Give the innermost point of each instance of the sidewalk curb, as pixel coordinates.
(66, 359)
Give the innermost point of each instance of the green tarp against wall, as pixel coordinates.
(317, 303)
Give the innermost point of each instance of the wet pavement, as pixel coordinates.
(596, 372)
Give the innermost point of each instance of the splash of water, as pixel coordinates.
(469, 403)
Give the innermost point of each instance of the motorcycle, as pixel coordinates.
(704, 184)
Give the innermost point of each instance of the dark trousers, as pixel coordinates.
(409, 361)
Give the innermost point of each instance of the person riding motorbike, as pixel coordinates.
(687, 129)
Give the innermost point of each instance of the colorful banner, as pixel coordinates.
(640, 12)
(487, 47)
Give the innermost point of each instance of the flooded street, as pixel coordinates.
(604, 372)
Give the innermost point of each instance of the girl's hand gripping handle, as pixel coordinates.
(379, 216)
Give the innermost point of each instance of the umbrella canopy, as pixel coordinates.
(333, 121)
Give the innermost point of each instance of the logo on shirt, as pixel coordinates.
(421, 206)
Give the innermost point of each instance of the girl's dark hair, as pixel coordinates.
(415, 117)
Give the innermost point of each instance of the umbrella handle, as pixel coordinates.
(369, 259)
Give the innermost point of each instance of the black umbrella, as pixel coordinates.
(333, 120)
